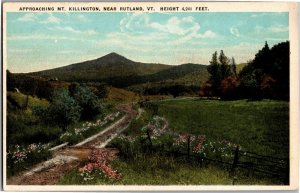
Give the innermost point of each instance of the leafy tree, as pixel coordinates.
(224, 65)
(63, 109)
(88, 101)
(229, 87)
(267, 86)
(249, 86)
(206, 90)
(267, 75)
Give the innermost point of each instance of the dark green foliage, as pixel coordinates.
(152, 108)
(20, 157)
(26, 126)
(10, 81)
(64, 109)
(88, 102)
(267, 75)
(249, 84)
(26, 131)
(233, 66)
(219, 69)
(102, 90)
(34, 86)
(214, 71)
(225, 68)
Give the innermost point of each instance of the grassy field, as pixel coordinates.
(117, 94)
(160, 170)
(258, 126)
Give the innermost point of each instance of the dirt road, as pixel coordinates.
(68, 158)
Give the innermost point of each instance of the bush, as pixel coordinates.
(88, 102)
(228, 88)
(63, 109)
(22, 157)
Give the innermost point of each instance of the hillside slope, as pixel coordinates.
(111, 65)
(118, 71)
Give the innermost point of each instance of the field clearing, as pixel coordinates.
(258, 126)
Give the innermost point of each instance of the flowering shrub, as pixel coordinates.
(199, 144)
(20, 157)
(196, 143)
(223, 150)
(98, 167)
(157, 127)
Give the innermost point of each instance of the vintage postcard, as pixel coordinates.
(135, 96)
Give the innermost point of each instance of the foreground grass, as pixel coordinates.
(160, 170)
(258, 126)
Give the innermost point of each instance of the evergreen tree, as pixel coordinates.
(214, 71)
(267, 75)
(233, 66)
(224, 66)
(219, 69)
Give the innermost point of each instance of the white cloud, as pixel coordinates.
(51, 19)
(234, 31)
(278, 28)
(177, 26)
(134, 22)
(27, 17)
(174, 25)
(207, 34)
(175, 30)
(72, 30)
(30, 17)
(272, 29)
(82, 18)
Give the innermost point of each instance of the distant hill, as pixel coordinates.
(118, 71)
(110, 65)
(239, 67)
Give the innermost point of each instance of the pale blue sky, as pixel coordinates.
(38, 41)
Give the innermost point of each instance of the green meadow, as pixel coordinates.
(257, 126)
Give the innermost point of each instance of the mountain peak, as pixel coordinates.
(113, 58)
(114, 54)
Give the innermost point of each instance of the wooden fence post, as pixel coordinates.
(235, 161)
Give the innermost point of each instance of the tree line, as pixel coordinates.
(266, 76)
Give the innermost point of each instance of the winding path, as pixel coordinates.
(69, 157)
